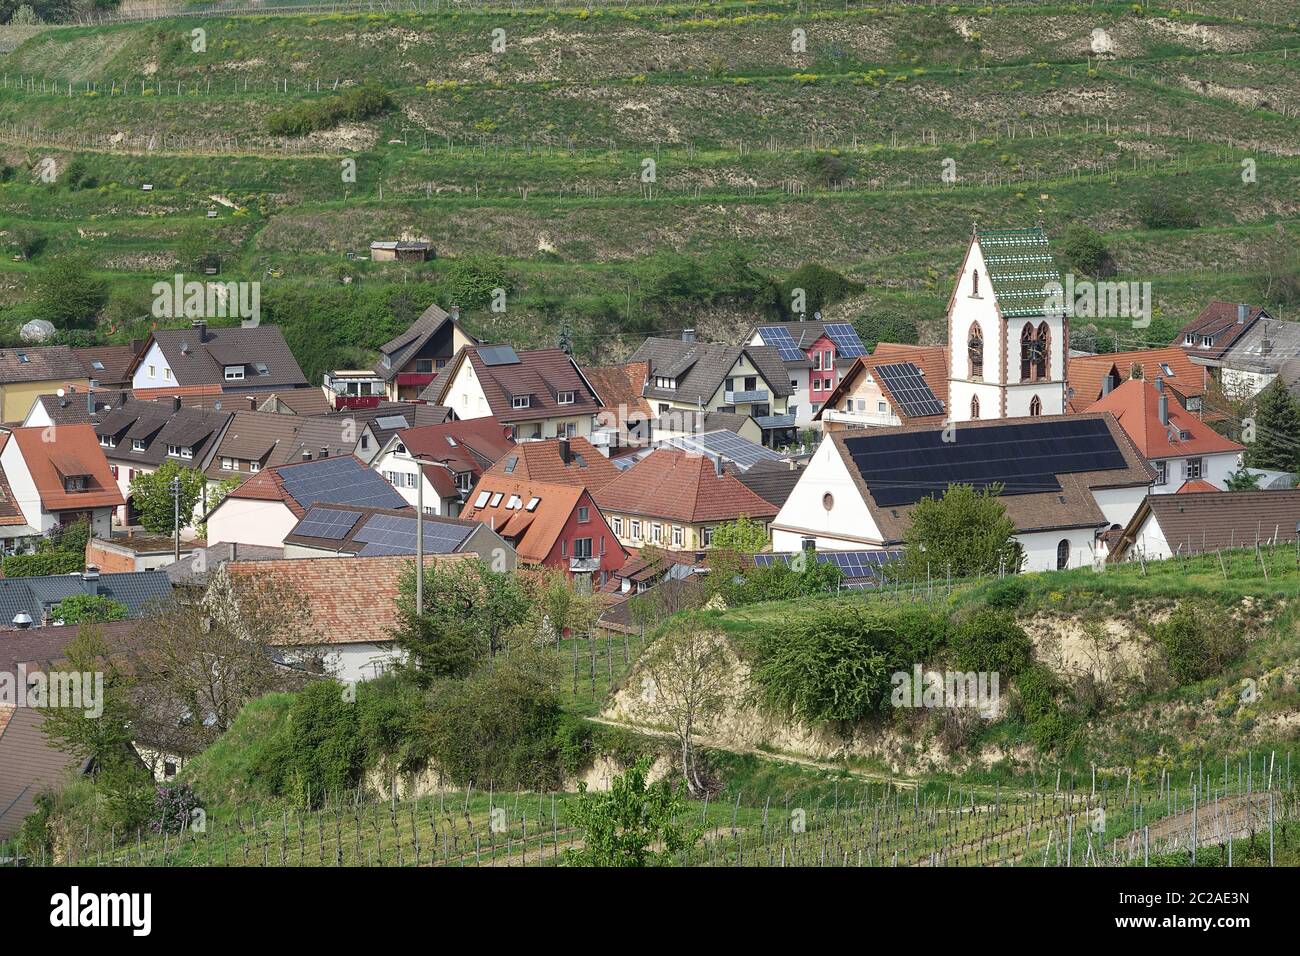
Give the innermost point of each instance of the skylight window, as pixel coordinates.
(513, 503)
(482, 498)
(97, 365)
(22, 358)
(450, 441)
(496, 500)
(532, 504)
(511, 462)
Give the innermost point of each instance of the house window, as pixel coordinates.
(974, 407)
(137, 444)
(365, 442)
(677, 537)
(1162, 472)
(173, 451)
(234, 373)
(882, 407)
(582, 547)
(522, 401)
(706, 537)
(167, 373)
(635, 534)
(975, 351)
(1035, 407)
(616, 525)
(464, 481)
(656, 533)
(584, 515)
(113, 469)
(794, 385)
(74, 483)
(1189, 339)
(975, 282)
(227, 464)
(1206, 342)
(254, 466)
(187, 451)
(564, 398)
(107, 441)
(424, 365)
(1194, 469)
(1063, 555)
(153, 371)
(1033, 352)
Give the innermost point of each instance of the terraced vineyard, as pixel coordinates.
(601, 142)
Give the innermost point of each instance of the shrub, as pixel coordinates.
(359, 103)
(1198, 641)
(991, 640)
(82, 608)
(1008, 594)
(1049, 727)
(173, 808)
(1159, 210)
(42, 563)
(318, 751)
(1084, 251)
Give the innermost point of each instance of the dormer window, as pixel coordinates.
(173, 451)
(564, 398)
(521, 401)
(464, 481)
(137, 444)
(665, 382)
(187, 451)
(234, 373)
(75, 483)
(1189, 339)
(1206, 342)
(107, 441)
(254, 466)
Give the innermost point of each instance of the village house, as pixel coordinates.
(895, 385)
(1007, 338)
(1064, 481)
(401, 250)
(296, 401)
(344, 531)
(254, 441)
(231, 359)
(1168, 525)
(1092, 376)
(448, 459)
(26, 373)
(674, 499)
(408, 363)
(556, 526)
(58, 476)
(268, 506)
(108, 366)
(31, 600)
(625, 418)
(374, 426)
(1180, 448)
(1258, 356)
(556, 461)
(815, 355)
(539, 393)
(749, 380)
(1208, 338)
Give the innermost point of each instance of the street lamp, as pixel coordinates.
(419, 521)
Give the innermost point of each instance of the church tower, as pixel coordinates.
(1008, 335)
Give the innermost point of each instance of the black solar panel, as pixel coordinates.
(391, 534)
(853, 564)
(901, 468)
(909, 388)
(339, 481)
(779, 338)
(845, 337)
(498, 355)
(327, 523)
(728, 445)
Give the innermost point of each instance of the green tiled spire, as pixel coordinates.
(1020, 266)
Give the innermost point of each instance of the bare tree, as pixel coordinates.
(689, 683)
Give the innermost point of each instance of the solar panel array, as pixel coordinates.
(853, 564)
(339, 481)
(391, 534)
(728, 445)
(498, 355)
(901, 468)
(909, 388)
(780, 339)
(327, 523)
(845, 337)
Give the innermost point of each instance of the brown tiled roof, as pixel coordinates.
(1195, 486)
(416, 415)
(700, 368)
(534, 533)
(46, 363)
(1136, 404)
(470, 445)
(115, 361)
(1086, 373)
(159, 424)
(543, 461)
(679, 486)
(352, 600)
(539, 374)
(400, 350)
(75, 451)
(1209, 522)
(297, 401)
(1218, 320)
(770, 480)
(195, 362)
(273, 439)
(1072, 507)
(620, 388)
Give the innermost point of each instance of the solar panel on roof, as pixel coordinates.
(389, 422)
(398, 534)
(327, 523)
(728, 445)
(498, 355)
(779, 338)
(909, 388)
(845, 337)
(901, 468)
(339, 481)
(852, 564)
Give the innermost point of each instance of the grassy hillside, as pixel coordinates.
(763, 154)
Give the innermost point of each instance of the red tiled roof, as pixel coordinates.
(533, 532)
(681, 486)
(352, 600)
(268, 484)
(1136, 406)
(74, 452)
(469, 445)
(619, 388)
(1087, 372)
(1219, 320)
(542, 461)
(1196, 486)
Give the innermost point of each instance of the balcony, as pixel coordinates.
(752, 397)
(584, 565)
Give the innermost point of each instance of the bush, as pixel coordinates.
(1049, 727)
(42, 563)
(991, 640)
(1159, 210)
(173, 808)
(82, 608)
(1008, 594)
(319, 749)
(1084, 251)
(359, 103)
(1198, 642)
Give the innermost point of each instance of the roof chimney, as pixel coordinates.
(306, 455)
(1242, 309)
(22, 620)
(252, 403)
(688, 335)
(324, 451)
(201, 327)
(176, 403)
(90, 577)
(566, 452)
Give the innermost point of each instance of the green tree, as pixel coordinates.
(742, 536)
(623, 823)
(1277, 430)
(1084, 251)
(966, 532)
(153, 499)
(83, 608)
(69, 294)
(1242, 480)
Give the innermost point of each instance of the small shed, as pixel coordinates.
(406, 250)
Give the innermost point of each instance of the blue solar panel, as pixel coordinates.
(727, 445)
(397, 534)
(909, 388)
(853, 564)
(327, 523)
(779, 338)
(498, 355)
(845, 337)
(339, 481)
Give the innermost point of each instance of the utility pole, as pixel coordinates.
(176, 512)
(419, 540)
